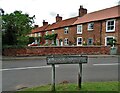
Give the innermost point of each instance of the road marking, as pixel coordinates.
(106, 64)
(23, 68)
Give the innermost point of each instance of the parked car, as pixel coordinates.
(33, 44)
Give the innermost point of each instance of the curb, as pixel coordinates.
(23, 58)
(44, 57)
(102, 56)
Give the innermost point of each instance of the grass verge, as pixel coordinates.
(87, 86)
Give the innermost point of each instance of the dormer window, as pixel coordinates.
(90, 26)
(66, 30)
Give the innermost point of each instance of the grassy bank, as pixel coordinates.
(88, 86)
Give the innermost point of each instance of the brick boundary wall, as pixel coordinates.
(40, 51)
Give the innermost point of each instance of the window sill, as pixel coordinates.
(79, 33)
(90, 29)
(110, 31)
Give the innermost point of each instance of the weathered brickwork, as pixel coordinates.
(36, 51)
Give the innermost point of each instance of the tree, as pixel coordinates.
(17, 25)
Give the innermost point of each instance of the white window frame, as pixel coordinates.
(111, 25)
(79, 29)
(31, 35)
(89, 26)
(46, 41)
(66, 41)
(39, 34)
(46, 33)
(53, 31)
(52, 42)
(66, 30)
(35, 34)
(81, 41)
(106, 39)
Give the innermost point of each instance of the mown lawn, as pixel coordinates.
(87, 86)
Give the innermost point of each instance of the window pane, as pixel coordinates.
(112, 22)
(66, 30)
(109, 28)
(79, 29)
(66, 41)
(110, 25)
(108, 40)
(79, 41)
(90, 41)
(90, 26)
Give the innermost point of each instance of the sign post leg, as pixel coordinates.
(80, 75)
(53, 77)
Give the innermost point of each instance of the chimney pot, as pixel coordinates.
(81, 6)
(36, 26)
(57, 14)
(58, 18)
(45, 23)
(82, 11)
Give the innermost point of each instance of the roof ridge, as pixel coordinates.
(103, 9)
(102, 14)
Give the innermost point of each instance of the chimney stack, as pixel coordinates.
(36, 26)
(45, 23)
(58, 18)
(82, 11)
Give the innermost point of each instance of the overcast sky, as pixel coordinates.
(48, 9)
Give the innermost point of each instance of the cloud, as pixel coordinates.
(73, 14)
(53, 14)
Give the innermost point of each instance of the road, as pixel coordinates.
(22, 73)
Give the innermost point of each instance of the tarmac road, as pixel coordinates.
(18, 73)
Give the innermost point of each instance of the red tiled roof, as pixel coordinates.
(99, 15)
(62, 23)
(94, 16)
(39, 29)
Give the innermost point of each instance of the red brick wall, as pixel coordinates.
(61, 35)
(118, 27)
(104, 33)
(95, 33)
(35, 51)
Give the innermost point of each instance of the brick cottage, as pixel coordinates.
(87, 33)
(96, 28)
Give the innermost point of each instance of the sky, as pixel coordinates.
(48, 9)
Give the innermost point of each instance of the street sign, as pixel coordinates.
(74, 59)
(68, 59)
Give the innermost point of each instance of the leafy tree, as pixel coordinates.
(17, 26)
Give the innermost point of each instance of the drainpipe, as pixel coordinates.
(100, 33)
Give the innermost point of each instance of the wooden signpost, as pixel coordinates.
(67, 59)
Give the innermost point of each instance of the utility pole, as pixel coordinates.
(1, 13)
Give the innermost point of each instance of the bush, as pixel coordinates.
(14, 46)
(22, 40)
